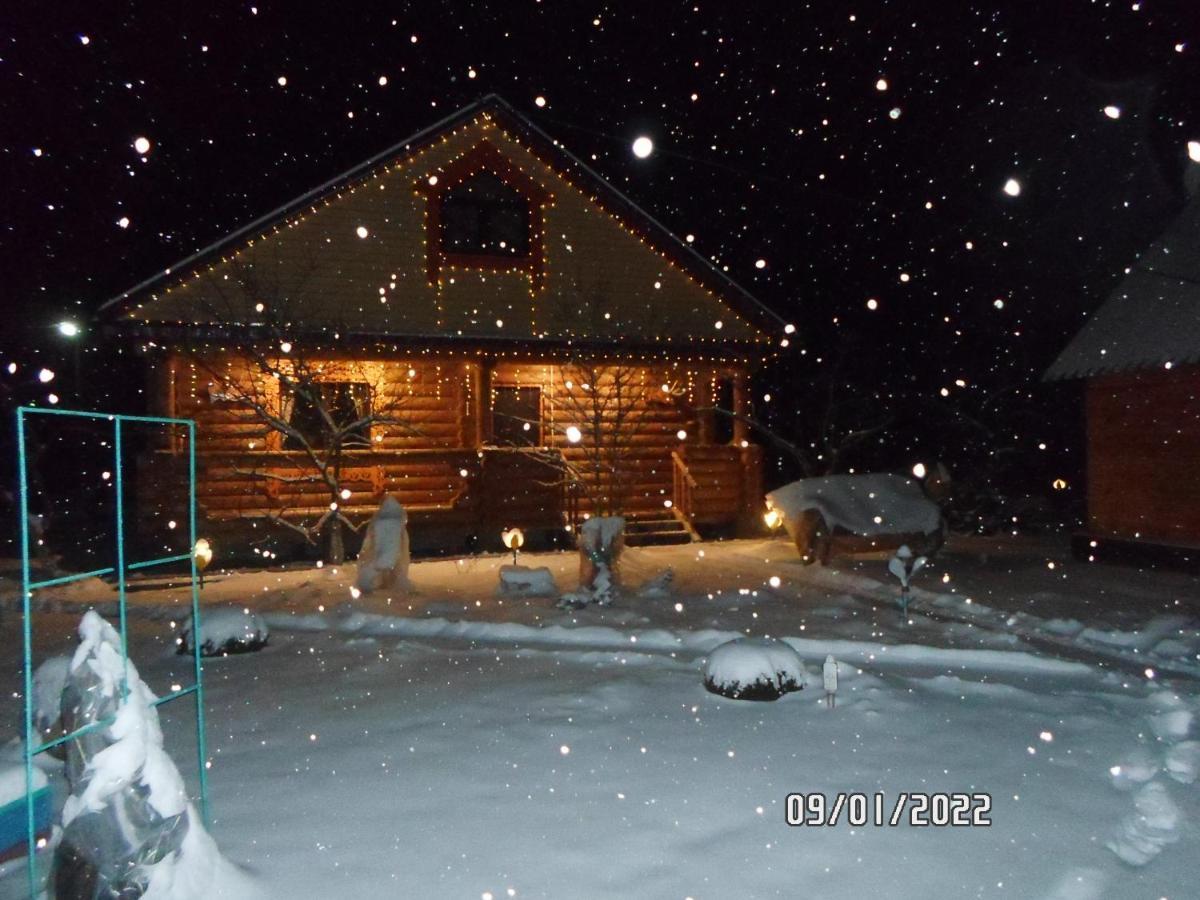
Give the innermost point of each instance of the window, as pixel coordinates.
(517, 416)
(345, 402)
(484, 216)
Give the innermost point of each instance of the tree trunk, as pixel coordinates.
(335, 547)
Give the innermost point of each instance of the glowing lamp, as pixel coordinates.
(773, 519)
(67, 328)
(202, 555)
(513, 539)
(574, 435)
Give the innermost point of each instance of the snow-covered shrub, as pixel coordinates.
(384, 558)
(601, 540)
(753, 669)
(522, 581)
(225, 630)
(128, 828)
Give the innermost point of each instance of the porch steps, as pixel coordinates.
(657, 529)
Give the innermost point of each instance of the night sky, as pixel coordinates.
(860, 150)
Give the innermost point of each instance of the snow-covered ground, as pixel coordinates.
(460, 742)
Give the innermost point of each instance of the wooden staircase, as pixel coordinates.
(657, 528)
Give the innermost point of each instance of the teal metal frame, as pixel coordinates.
(120, 569)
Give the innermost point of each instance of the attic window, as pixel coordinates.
(485, 216)
(484, 212)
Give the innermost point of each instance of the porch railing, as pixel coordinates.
(683, 493)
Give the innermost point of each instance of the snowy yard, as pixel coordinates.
(459, 744)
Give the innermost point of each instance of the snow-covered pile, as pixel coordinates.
(226, 630)
(384, 558)
(861, 504)
(128, 828)
(659, 586)
(753, 669)
(522, 581)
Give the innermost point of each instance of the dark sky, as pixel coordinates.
(774, 141)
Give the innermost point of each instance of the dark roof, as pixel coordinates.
(1152, 318)
(616, 202)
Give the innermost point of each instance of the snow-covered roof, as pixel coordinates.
(1152, 317)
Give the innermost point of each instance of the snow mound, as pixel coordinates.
(226, 630)
(1142, 835)
(1183, 761)
(753, 669)
(1138, 767)
(861, 504)
(659, 586)
(522, 581)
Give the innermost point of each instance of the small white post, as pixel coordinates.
(829, 675)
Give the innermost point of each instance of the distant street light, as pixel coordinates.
(69, 329)
(643, 147)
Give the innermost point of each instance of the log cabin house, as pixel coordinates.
(1140, 358)
(466, 281)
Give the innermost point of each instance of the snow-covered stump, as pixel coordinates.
(384, 558)
(753, 669)
(224, 631)
(522, 581)
(601, 540)
(128, 828)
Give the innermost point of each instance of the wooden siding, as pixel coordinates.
(1144, 456)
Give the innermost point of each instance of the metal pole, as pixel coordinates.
(119, 486)
(27, 631)
(201, 748)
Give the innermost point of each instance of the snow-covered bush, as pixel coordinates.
(384, 558)
(225, 630)
(601, 540)
(128, 828)
(753, 669)
(522, 581)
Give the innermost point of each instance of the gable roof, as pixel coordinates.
(1152, 318)
(752, 322)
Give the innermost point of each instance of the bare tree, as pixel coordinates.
(315, 409)
(608, 406)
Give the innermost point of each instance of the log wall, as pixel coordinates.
(437, 458)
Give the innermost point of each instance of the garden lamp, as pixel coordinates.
(513, 539)
(202, 553)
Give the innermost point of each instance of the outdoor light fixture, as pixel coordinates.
(67, 328)
(574, 435)
(513, 539)
(202, 553)
(772, 518)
